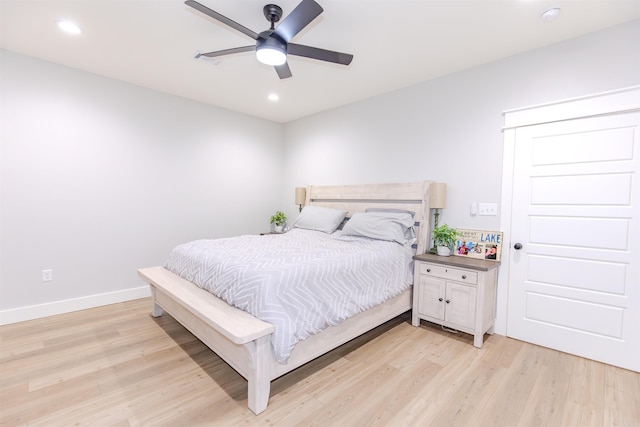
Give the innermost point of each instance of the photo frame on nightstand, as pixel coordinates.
(479, 244)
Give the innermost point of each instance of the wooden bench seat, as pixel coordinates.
(236, 325)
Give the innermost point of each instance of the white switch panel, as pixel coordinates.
(47, 275)
(488, 209)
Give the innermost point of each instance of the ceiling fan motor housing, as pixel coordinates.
(273, 13)
(270, 39)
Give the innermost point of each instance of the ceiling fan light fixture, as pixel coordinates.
(271, 51)
(271, 56)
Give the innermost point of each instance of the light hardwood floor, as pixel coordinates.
(118, 366)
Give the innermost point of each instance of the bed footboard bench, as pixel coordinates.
(242, 340)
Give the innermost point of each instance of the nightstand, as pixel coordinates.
(455, 292)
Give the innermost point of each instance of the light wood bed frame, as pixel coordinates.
(242, 340)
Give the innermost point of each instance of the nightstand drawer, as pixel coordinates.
(449, 273)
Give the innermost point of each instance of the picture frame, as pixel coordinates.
(479, 244)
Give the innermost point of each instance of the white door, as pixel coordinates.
(575, 283)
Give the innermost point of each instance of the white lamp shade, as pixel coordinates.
(301, 195)
(438, 195)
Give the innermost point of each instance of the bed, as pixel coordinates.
(245, 341)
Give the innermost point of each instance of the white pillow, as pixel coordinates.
(393, 227)
(319, 218)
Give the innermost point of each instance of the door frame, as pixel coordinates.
(615, 101)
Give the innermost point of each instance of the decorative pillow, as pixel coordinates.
(393, 227)
(319, 218)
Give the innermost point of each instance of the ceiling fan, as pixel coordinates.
(273, 45)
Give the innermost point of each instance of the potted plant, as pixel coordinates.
(444, 237)
(278, 218)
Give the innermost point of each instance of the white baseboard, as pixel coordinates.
(31, 312)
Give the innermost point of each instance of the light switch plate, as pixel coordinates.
(47, 275)
(488, 209)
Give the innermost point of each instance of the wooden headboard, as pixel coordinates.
(412, 196)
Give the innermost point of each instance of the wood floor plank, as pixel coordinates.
(585, 396)
(520, 376)
(546, 400)
(118, 366)
(443, 385)
(476, 388)
(619, 411)
(411, 384)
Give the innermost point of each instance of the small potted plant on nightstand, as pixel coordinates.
(444, 237)
(279, 219)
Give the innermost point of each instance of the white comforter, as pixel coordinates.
(301, 281)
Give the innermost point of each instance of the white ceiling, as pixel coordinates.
(395, 43)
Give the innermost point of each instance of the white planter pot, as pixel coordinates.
(443, 251)
(278, 229)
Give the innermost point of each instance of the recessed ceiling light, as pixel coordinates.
(550, 14)
(69, 27)
(273, 97)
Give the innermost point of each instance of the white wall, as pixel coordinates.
(449, 129)
(100, 178)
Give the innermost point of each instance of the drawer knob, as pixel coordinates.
(440, 299)
(428, 270)
(464, 276)
(447, 301)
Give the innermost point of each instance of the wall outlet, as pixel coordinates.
(47, 275)
(488, 209)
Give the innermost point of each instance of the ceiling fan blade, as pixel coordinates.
(300, 17)
(218, 53)
(284, 72)
(215, 15)
(319, 54)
